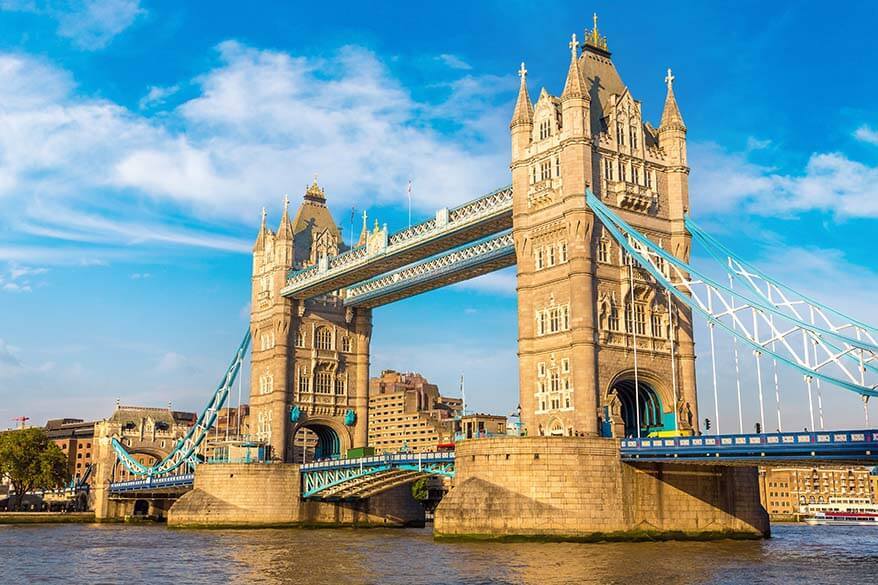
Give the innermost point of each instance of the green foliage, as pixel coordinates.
(31, 461)
(419, 489)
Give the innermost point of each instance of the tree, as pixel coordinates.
(31, 461)
(419, 489)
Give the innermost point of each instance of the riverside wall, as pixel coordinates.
(578, 488)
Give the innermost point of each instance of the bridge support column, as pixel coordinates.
(578, 488)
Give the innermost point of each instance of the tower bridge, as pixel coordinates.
(596, 222)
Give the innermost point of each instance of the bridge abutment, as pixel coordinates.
(254, 495)
(577, 488)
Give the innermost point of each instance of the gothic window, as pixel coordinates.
(657, 326)
(635, 318)
(648, 174)
(566, 401)
(550, 255)
(540, 258)
(533, 174)
(620, 133)
(608, 169)
(554, 320)
(303, 380)
(565, 366)
(565, 317)
(633, 137)
(541, 323)
(604, 251)
(300, 339)
(623, 176)
(323, 338)
(557, 166)
(266, 383)
(545, 129)
(346, 344)
(562, 252)
(554, 381)
(545, 170)
(635, 175)
(541, 369)
(323, 382)
(613, 319)
(339, 385)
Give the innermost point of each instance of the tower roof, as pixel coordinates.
(312, 218)
(315, 193)
(524, 109)
(671, 117)
(264, 233)
(285, 230)
(575, 86)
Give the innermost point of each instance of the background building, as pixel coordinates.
(75, 437)
(406, 411)
(786, 491)
(478, 425)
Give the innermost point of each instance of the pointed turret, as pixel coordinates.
(575, 86)
(671, 117)
(315, 193)
(364, 233)
(524, 109)
(285, 230)
(259, 246)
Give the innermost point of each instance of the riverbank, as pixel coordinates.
(47, 517)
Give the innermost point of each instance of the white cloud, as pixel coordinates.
(17, 278)
(7, 356)
(89, 24)
(140, 276)
(453, 61)
(157, 96)
(866, 133)
(502, 282)
(830, 182)
(89, 171)
(171, 362)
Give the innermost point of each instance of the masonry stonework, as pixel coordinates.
(578, 488)
(252, 495)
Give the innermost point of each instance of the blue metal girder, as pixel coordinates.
(854, 446)
(153, 483)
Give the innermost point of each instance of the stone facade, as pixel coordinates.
(578, 315)
(240, 494)
(787, 491)
(310, 360)
(578, 488)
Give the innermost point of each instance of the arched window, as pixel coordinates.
(346, 343)
(556, 429)
(339, 385)
(300, 339)
(323, 338)
(323, 382)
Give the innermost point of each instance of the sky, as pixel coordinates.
(139, 141)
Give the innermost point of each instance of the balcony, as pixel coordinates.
(630, 196)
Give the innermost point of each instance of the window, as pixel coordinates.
(620, 133)
(323, 382)
(605, 248)
(303, 380)
(613, 319)
(300, 339)
(657, 326)
(565, 366)
(648, 174)
(554, 320)
(545, 170)
(323, 338)
(635, 175)
(533, 174)
(551, 255)
(540, 258)
(562, 252)
(266, 383)
(541, 369)
(545, 129)
(633, 136)
(623, 176)
(267, 340)
(346, 344)
(565, 317)
(339, 385)
(608, 169)
(554, 381)
(635, 317)
(541, 322)
(557, 166)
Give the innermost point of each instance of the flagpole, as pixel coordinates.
(410, 202)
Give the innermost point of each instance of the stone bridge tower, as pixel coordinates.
(579, 319)
(310, 359)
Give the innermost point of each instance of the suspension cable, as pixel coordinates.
(634, 333)
(758, 355)
(713, 358)
(737, 366)
(672, 336)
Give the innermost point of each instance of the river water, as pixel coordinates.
(97, 554)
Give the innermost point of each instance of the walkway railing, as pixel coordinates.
(151, 483)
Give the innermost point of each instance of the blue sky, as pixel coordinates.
(139, 141)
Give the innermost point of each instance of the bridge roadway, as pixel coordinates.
(450, 229)
(360, 478)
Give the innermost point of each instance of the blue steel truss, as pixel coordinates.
(838, 358)
(185, 452)
(322, 476)
(860, 446)
(183, 480)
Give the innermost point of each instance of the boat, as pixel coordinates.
(843, 512)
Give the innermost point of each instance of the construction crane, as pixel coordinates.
(22, 421)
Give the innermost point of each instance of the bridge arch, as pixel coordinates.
(317, 438)
(144, 455)
(622, 397)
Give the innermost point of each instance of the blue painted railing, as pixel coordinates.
(151, 483)
(388, 459)
(857, 445)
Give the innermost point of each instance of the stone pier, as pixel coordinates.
(577, 488)
(254, 495)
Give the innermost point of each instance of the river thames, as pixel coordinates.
(97, 554)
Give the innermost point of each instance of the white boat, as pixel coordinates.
(843, 512)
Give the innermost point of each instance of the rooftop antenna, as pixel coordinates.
(462, 395)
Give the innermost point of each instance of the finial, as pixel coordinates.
(573, 45)
(593, 37)
(594, 19)
(376, 224)
(264, 215)
(669, 79)
(522, 72)
(286, 202)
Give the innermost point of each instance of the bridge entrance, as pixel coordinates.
(635, 401)
(316, 442)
